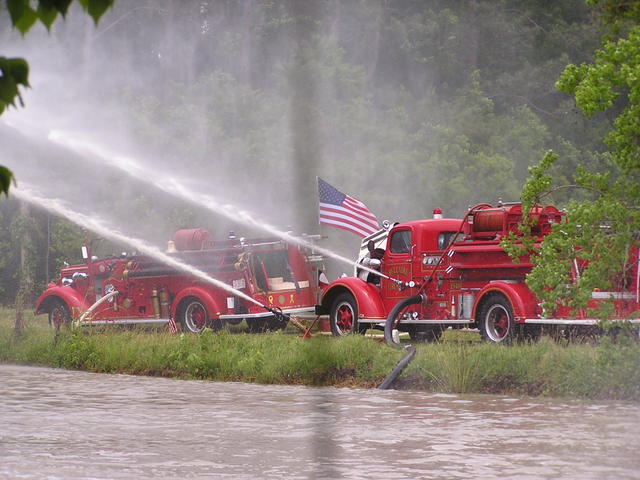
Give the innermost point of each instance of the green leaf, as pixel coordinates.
(16, 9)
(96, 8)
(47, 14)
(26, 21)
(61, 5)
(8, 89)
(18, 68)
(6, 178)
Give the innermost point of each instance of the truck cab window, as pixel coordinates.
(444, 239)
(401, 242)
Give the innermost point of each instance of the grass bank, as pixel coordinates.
(458, 364)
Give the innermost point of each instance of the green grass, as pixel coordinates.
(460, 363)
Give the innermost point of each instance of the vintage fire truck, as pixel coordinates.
(441, 272)
(281, 279)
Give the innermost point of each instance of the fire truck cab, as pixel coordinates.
(443, 272)
(141, 289)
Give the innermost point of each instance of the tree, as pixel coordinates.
(601, 228)
(14, 72)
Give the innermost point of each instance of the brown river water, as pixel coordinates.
(58, 424)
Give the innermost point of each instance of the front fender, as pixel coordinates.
(366, 294)
(210, 301)
(522, 300)
(70, 296)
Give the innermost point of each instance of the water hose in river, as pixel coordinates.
(411, 351)
(389, 327)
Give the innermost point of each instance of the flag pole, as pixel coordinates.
(318, 205)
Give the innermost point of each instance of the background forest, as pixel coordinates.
(407, 105)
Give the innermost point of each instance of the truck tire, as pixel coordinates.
(495, 321)
(194, 317)
(59, 314)
(343, 317)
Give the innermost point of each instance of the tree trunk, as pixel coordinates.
(26, 274)
(304, 119)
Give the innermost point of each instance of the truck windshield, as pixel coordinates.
(271, 265)
(401, 241)
(275, 263)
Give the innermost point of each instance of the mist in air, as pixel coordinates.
(249, 101)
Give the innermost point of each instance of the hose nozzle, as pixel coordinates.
(277, 312)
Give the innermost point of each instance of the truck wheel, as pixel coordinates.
(59, 314)
(343, 317)
(496, 320)
(194, 317)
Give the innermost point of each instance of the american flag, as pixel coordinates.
(344, 211)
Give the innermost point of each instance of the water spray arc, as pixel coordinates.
(56, 207)
(172, 186)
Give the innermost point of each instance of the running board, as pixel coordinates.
(532, 321)
(124, 321)
(581, 321)
(457, 321)
(240, 316)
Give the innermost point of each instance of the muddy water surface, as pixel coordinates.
(57, 424)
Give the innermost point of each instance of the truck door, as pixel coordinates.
(397, 264)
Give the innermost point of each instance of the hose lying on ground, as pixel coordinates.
(388, 338)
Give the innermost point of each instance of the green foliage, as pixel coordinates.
(600, 85)
(24, 16)
(600, 232)
(95, 8)
(65, 244)
(596, 239)
(13, 73)
(616, 14)
(6, 178)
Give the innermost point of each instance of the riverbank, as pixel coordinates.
(460, 363)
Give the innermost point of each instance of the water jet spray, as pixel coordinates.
(56, 207)
(170, 184)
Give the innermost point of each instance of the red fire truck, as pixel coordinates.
(140, 289)
(443, 272)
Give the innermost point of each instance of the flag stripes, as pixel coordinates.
(344, 211)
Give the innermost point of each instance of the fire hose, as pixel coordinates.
(278, 313)
(90, 310)
(390, 340)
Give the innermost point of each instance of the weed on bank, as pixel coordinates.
(458, 364)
